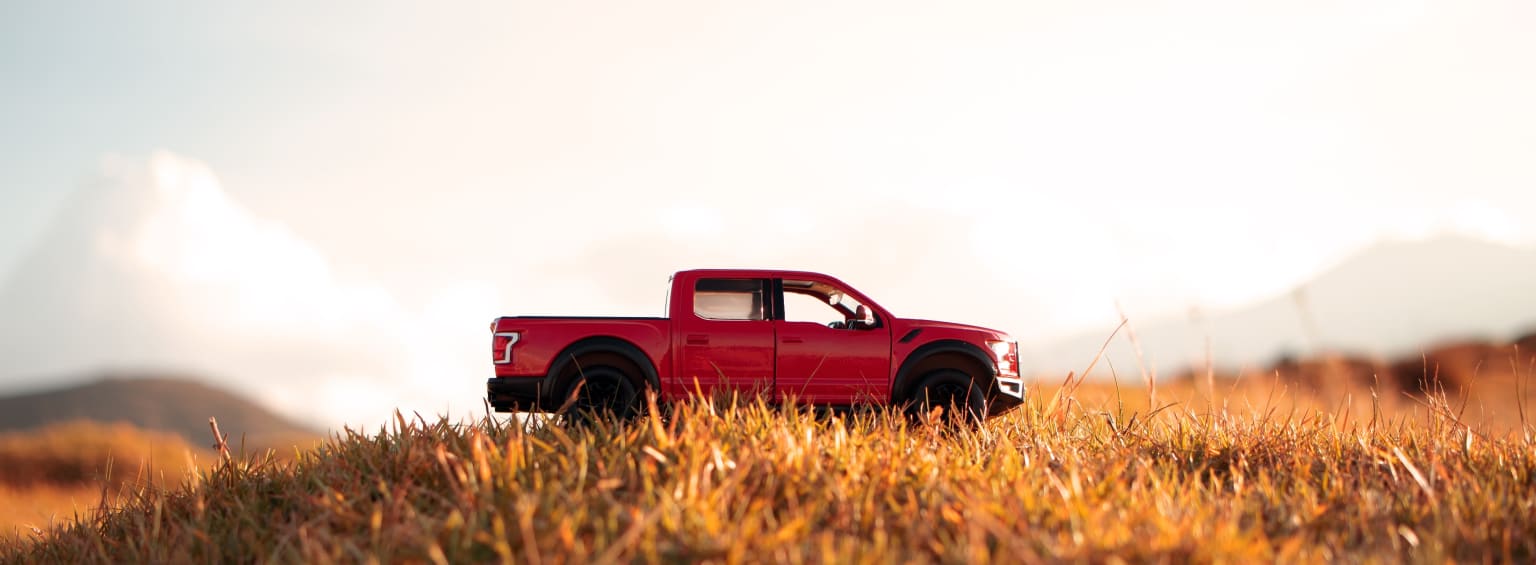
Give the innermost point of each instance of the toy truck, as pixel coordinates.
(784, 334)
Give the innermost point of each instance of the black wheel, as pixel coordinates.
(953, 390)
(604, 392)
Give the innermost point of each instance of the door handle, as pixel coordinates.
(698, 339)
(793, 340)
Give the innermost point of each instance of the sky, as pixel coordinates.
(349, 191)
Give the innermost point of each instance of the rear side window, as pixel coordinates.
(729, 299)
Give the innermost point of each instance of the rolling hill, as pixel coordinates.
(181, 406)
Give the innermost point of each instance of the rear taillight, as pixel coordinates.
(501, 346)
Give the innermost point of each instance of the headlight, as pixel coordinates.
(1007, 353)
(999, 348)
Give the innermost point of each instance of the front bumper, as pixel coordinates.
(1010, 395)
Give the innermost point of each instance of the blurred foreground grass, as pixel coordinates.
(1061, 478)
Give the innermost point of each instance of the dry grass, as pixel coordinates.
(83, 453)
(1062, 480)
(30, 510)
(52, 475)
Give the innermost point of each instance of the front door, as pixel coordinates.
(726, 345)
(827, 354)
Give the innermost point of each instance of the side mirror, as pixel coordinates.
(866, 317)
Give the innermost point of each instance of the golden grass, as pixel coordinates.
(51, 475)
(1055, 480)
(84, 453)
(28, 511)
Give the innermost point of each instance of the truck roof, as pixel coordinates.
(754, 273)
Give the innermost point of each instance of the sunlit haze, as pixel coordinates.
(321, 205)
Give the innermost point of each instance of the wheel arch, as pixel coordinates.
(942, 354)
(606, 350)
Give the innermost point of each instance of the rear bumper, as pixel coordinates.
(515, 394)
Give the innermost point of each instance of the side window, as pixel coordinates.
(800, 307)
(729, 299)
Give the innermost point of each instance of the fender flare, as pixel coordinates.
(905, 376)
(601, 344)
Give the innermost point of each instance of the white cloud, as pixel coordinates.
(1482, 220)
(156, 267)
(1474, 218)
(260, 275)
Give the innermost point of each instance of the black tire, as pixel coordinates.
(953, 390)
(603, 392)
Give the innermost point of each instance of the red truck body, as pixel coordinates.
(785, 334)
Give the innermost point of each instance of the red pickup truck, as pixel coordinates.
(784, 334)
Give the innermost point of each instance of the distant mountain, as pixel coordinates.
(168, 404)
(1389, 300)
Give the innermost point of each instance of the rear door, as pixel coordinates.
(725, 341)
(825, 354)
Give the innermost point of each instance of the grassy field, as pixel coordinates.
(52, 474)
(1088, 474)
